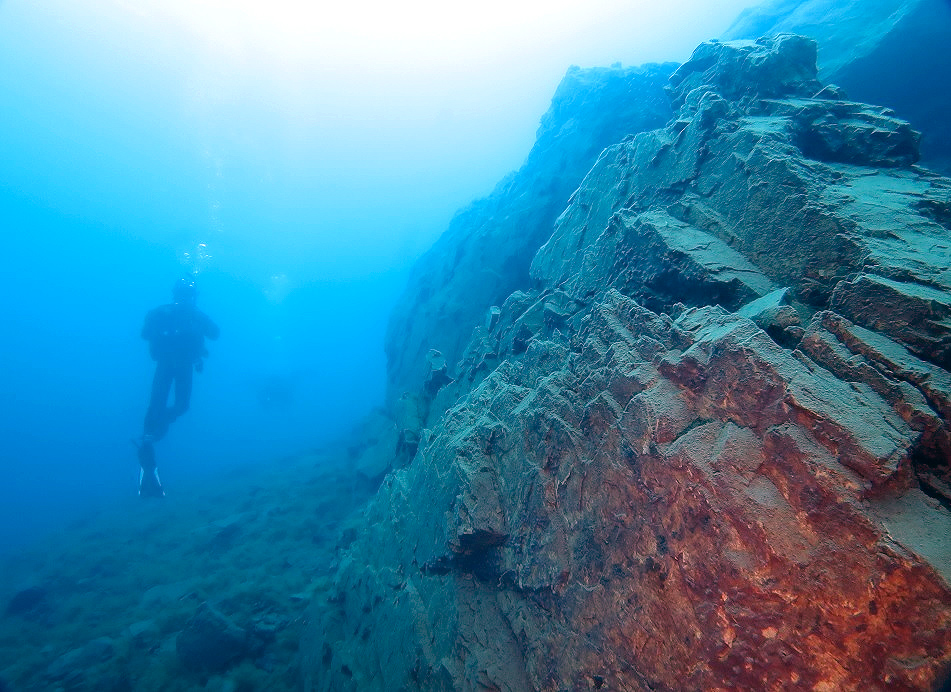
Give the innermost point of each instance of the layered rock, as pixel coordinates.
(708, 447)
(485, 253)
(892, 52)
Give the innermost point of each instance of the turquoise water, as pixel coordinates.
(296, 176)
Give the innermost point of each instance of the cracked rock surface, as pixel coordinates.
(886, 52)
(708, 447)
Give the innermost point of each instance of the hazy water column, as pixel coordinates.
(133, 132)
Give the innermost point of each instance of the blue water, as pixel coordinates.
(298, 189)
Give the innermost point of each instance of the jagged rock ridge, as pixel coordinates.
(485, 253)
(709, 447)
(890, 52)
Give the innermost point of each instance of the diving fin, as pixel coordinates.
(149, 483)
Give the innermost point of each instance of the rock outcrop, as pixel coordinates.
(890, 52)
(211, 642)
(26, 601)
(707, 446)
(485, 253)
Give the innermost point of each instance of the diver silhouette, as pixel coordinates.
(176, 334)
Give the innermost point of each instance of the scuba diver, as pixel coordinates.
(176, 334)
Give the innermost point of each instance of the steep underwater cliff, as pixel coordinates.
(706, 446)
(485, 253)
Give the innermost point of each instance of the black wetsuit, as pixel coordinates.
(176, 334)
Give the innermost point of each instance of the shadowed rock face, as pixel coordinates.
(709, 447)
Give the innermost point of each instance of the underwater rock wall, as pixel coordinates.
(890, 52)
(485, 253)
(708, 446)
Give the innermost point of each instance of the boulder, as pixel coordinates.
(783, 66)
(71, 668)
(774, 315)
(844, 132)
(211, 642)
(143, 633)
(26, 600)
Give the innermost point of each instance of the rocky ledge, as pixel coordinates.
(889, 53)
(486, 252)
(708, 447)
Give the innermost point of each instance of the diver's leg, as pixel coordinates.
(156, 424)
(154, 428)
(183, 391)
(156, 417)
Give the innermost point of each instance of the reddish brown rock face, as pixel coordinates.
(676, 508)
(627, 487)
